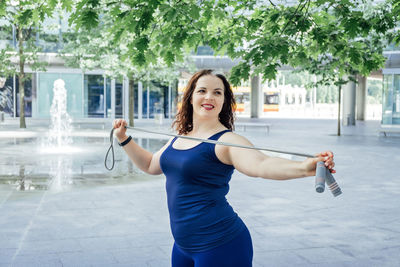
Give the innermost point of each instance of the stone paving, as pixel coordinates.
(125, 223)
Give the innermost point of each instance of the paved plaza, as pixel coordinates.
(120, 218)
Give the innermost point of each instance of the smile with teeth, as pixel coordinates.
(207, 106)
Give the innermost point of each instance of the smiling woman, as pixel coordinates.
(206, 229)
(207, 98)
(210, 89)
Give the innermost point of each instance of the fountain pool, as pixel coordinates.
(26, 166)
(58, 158)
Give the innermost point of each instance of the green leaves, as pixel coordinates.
(139, 59)
(142, 43)
(194, 12)
(239, 72)
(6, 67)
(3, 6)
(66, 4)
(86, 14)
(169, 58)
(270, 70)
(25, 17)
(351, 26)
(89, 18)
(355, 56)
(331, 37)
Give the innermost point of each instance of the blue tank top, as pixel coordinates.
(197, 183)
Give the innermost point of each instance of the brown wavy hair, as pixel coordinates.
(184, 118)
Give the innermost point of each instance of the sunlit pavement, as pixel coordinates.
(61, 209)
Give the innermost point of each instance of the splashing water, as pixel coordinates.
(60, 129)
(59, 140)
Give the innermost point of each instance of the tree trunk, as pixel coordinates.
(339, 104)
(131, 101)
(21, 78)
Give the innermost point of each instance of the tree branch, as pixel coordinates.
(294, 14)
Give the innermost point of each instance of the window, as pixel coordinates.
(94, 96)
(387, 101)
(396, 99)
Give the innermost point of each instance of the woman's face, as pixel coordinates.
(208, 96)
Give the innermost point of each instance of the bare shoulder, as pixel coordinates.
(168, 143)
(224, 153)
(161, 150)
(234, 138)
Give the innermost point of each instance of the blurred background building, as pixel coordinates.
(92, 95)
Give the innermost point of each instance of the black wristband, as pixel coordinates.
(126, 141)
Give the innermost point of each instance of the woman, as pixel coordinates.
(206, 230)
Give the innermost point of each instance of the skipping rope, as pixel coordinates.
(322, 173)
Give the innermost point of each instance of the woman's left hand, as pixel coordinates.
(310, 164)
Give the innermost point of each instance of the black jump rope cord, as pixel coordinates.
(322, 173)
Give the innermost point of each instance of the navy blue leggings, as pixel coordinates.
(236, 253)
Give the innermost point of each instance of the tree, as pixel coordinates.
(26, 16)
(334, 39)
(96, 48)
(396, 13)
(262, 34)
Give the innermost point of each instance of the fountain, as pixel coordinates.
(59, 158)
(60, 129)
(59, 140)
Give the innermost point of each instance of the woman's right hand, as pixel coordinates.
(120, 130)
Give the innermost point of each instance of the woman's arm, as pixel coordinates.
(143, 159)
(256, 164)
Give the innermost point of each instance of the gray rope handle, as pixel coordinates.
(111, 148)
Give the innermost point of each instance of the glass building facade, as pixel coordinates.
(89, 95)
(92, 95)
(391, 97)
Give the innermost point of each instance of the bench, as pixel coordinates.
(387, 129)
(245, 125)
(103, 122)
